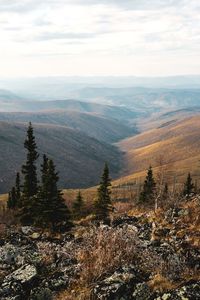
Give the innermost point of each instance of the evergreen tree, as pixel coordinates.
(18, 190)
(77, 206)
(103, 202)
(188, 186)
(29, 169)
(51, 209)
(148, 192)
(30, 187)
(44, 169)
(11, 203)
(14, 194)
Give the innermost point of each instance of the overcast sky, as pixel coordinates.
(105, 37)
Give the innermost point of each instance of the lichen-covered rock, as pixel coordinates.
(187, 292)
(23, 275)
(19, 283)
(41, 294)
(35, 235)
(120, 285)
(27, 230)
(142, 292)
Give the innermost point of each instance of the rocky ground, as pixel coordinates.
(39, 265)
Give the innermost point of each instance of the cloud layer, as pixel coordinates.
(107, 37)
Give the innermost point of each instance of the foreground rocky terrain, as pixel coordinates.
(140, 256)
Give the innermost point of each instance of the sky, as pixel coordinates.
(99, 38)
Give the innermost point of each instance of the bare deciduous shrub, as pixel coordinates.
(123, 207)
(105, 250)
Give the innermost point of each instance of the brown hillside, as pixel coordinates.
(178, 145)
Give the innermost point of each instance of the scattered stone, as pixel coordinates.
(120, 285)
(35, 235)
(142, 292)
(19, 283)
(27, 230)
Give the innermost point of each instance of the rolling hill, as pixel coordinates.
(143, 99)
(109, 111)
(166, 118)
(78, 157)
(102, 128)
(178, 145)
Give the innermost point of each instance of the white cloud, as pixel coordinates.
(107, 37)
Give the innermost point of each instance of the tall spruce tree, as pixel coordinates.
(12, 199)
(51, 209)
(148, 192)
(14, 195)
(188, 186)
(41, 199)
(103, 204)
(77, 207)
(29, 169)
(44, 169)
(30, 186)
(18, 190)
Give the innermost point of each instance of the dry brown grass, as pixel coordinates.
(3, 200)
(179, 143)
(75, 294)
(161, 283)
(123, 207)
(7, 217)
(106, 250)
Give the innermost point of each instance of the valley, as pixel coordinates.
(130, 128)
(79, 157)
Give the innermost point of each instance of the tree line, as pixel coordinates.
(149, 191)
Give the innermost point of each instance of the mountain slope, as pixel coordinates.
(166, 118)
(104, 129)
(79, 158)
(177, 144)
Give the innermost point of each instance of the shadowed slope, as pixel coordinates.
(102, 128)
(79, 158)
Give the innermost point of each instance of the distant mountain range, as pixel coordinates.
(117, 103)
(142, 99)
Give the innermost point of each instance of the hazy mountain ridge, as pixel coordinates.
(114, 112)
(145, 99)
